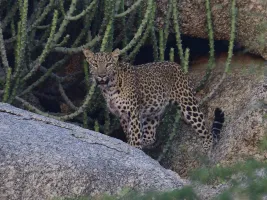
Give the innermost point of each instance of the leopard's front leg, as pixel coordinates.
(124, 124)
(134, 128)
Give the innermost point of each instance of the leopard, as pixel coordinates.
(139, 94)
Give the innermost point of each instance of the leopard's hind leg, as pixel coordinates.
(149, 126)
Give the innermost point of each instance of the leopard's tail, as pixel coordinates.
(217, 125)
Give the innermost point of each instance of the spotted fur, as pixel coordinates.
(139, 95)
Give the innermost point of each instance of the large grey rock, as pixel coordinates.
(42, 158)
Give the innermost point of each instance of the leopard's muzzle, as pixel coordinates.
(102, 80)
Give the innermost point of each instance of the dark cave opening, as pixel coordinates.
(198, 47)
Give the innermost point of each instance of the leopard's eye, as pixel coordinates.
(93, 65)
(109, 65)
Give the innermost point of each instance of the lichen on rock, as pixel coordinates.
(251, 21)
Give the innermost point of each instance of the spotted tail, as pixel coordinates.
(217, 125)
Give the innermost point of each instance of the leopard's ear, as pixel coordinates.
(115, 54)
(88, 54)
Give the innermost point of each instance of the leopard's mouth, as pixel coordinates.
(102, 81)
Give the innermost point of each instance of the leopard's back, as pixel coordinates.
(153, 80)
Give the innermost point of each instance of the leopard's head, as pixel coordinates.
(102, 65)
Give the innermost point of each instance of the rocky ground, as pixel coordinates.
(243, 97)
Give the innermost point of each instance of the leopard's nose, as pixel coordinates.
(101, 79)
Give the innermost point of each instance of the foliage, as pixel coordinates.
(38, 40)
(245, 179)
(128, 194)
